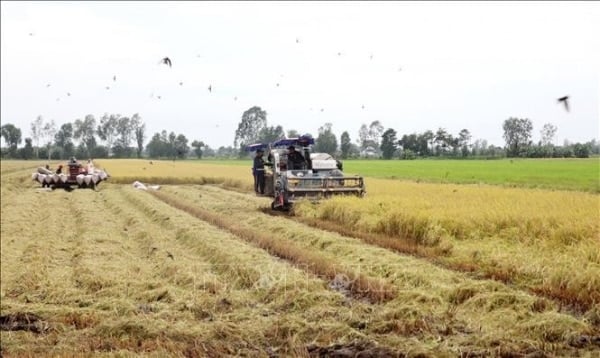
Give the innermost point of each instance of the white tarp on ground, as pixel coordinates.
(141, 186)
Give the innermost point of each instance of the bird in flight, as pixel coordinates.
(166, 61)
(209, 88)
(565, 100)
(115, 78)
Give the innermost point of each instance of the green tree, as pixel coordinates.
(64, 140)
(27, 151)
(441, 139)
(581, 150)
(180, 146)
(409, 142)
(107, 129)
(363, 137)
(388, 143)
(292, 133)
(124, 131)
(155, 147)
(345, 144)
(139, 131)
(517, 132)
(171, 150)
(48, 133)
(198, 146)
(464, 141)
(37, 127)
(12, 137)
(85, 131)
(326, 142)
(253, 121)
(375, 133)
(426, 142)
(270, 134)
(547, 134)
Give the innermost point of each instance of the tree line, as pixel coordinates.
(110, 136)
(116, 136)
(375, 141)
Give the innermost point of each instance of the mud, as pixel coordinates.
(23, 322)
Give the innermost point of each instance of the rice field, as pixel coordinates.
(201, 268)
(563, 174)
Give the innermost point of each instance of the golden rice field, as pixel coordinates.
(201, 268)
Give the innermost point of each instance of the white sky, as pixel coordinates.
(464, 65)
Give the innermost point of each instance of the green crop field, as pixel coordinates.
(566, 174)
(569, 174)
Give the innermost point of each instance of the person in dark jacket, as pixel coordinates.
(259, 172)
(295, 159)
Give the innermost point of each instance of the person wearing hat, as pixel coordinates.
(295, 159)
(258, 169)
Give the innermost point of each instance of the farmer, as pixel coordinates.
(295, 159)
(258, 169)
(90, 166)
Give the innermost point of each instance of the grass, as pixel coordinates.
(566, 174)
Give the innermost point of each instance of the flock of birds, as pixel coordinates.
(167, 61)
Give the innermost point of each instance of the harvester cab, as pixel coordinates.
(318, 176)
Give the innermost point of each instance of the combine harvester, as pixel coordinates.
(76, 175)
(321, 176)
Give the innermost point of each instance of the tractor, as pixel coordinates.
(320, 177)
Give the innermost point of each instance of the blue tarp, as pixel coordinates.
(256, 146)
(303, 141)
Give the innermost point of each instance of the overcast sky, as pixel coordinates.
(413, 66)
